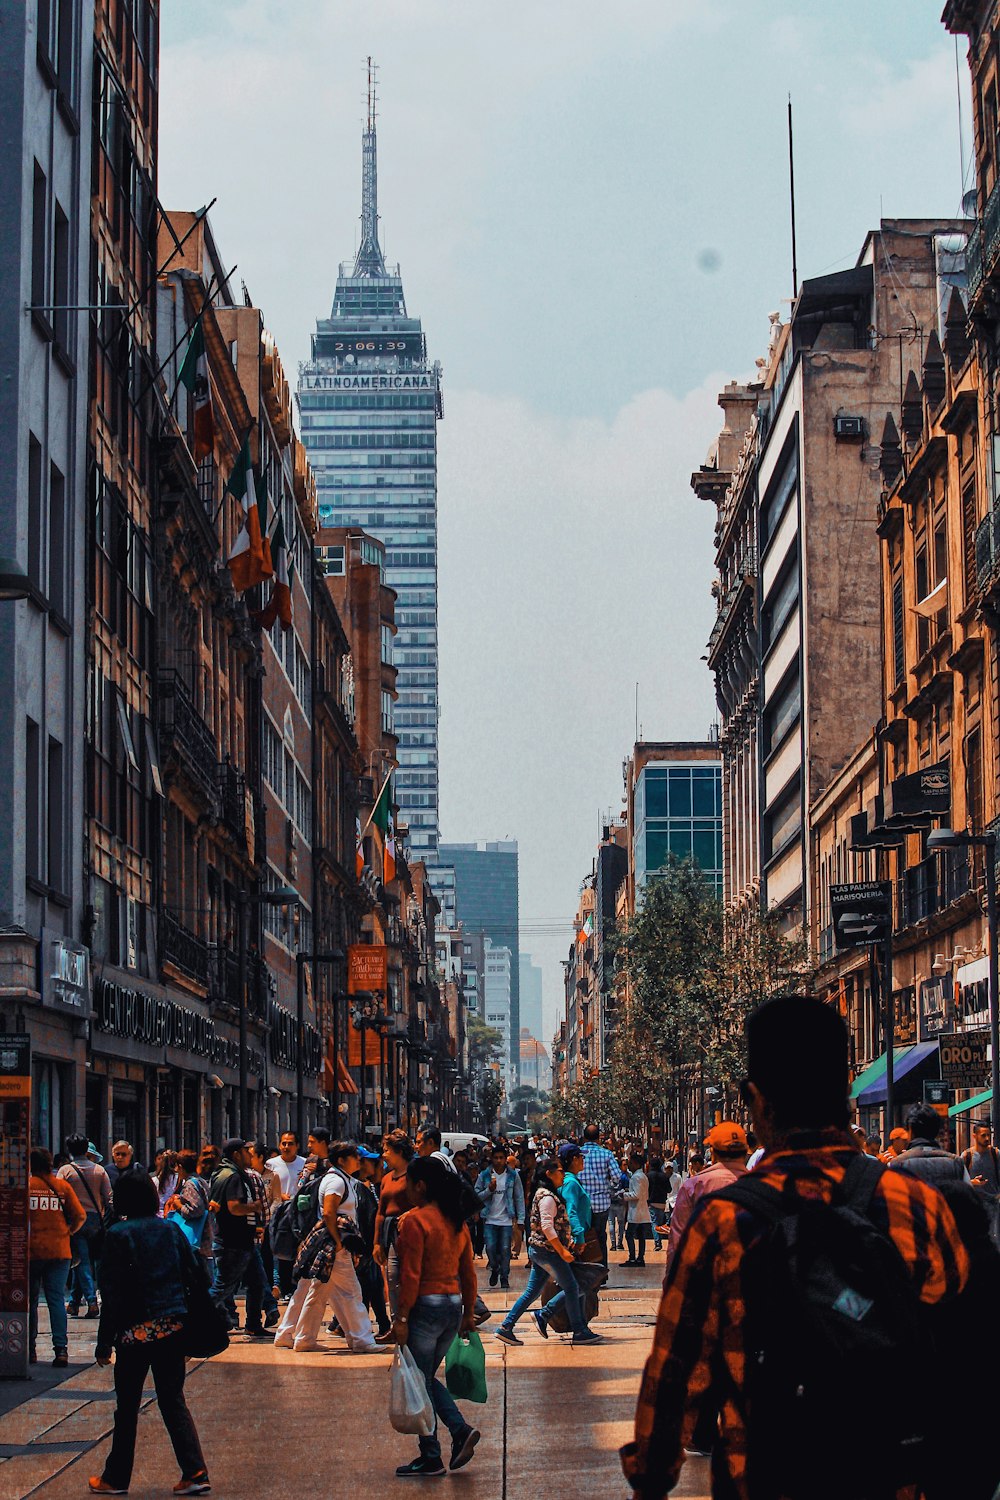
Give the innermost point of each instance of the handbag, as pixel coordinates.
(205, 1330)
(191, 1229)
(465, 1367)
(410, 1408)
(96, 1224)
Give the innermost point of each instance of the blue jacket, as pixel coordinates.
(145, 1267)
(578, 1207)
(513, 1193)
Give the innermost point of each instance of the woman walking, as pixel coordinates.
(549, 1256)
(165, 1177)
(189, 1204)
(394, 1200)
(638, 1227)
(436, 1298)
(146, 1266)
(54, 1213)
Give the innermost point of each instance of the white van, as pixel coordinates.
(454, 1140)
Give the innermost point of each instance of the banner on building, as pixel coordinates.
(367, 969)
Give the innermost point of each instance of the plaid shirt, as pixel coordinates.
(599, 1175)
(701, 1310)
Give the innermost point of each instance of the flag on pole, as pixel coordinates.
(382, 817)
(260, 485)
(194, 377)
(587, 929)
(359, 851)
(279, 606)
(246, 560)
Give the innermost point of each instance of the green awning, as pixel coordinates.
(875, 1071)
(959, 1109)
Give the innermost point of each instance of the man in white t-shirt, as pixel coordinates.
(287, 1165)
(429, 1144)
(304, 1315)
(502, 1196)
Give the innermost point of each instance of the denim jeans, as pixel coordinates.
(498, 1240)
(636, 1236)
(165, 1357)
(600, 1223)
(561, 1272)
(49, 1276)
(83, 1276)
(232, 1268)
(434, 1322)
(658, 1214)
(537, 1277)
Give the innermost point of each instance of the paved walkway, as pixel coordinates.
(552, 1426)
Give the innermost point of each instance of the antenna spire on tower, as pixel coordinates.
(369, 260)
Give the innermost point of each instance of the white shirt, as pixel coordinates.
(496, 1209)
(443, 1156)
(755, 1158)
(287, 1173)
(334, 1182)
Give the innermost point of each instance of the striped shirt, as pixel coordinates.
(701, 1317)
(599, 1175)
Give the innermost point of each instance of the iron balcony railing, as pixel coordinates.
(224, 981)
(182, 730)
(988, 550)
(232, 789)
(182, 949)
(932, 885)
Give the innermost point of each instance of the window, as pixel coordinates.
(39, 279)
(58, 591)
(974, 801)
(32, 801)
(386, 712)
(898, 634)
(61, 297)
(36, 539)
(54, 812)
(969, 538)
(125, 729)
(331, 561)
(782, 711)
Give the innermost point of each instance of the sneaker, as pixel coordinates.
(271, 1318)
(73, 1308)
(284, 1341)
(422, 1468)
(590, 1337)
(505, 1286)
(93, 1311)
(385, 1338)
(508, 1336)
(540, 1323)
(463, 1447)
(197, 1485)
(254, 1330)
(494, 1278)
(698, 1452)
(61, 1360)
(99, 1487)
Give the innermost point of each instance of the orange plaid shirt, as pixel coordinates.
(701, 1311)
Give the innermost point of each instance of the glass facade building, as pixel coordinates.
(678, 810)
(369, 402)
(485, 891)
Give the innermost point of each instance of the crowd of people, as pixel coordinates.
(380, 1247)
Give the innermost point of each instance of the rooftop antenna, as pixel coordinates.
(369, 260)
(791, 197)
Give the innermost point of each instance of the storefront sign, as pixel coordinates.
(861, 912)
(938, 1095)
(935, 1007)
(158, 1022)
(367, 968)
(923, 792)
(368, 382)
(65, 973)
(15, 1115)
(964, 1063)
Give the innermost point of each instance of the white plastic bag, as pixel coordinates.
(410, 1408)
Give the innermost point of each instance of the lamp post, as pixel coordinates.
(301, 959)
(282, 895)
(947, 838)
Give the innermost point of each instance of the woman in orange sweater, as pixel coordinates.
(436, 1298)
(54, 1213)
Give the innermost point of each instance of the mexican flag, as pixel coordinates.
(587, 929)
(279, 606)
(247, 561)
(359, 850)
(383, 818)
(194, 377)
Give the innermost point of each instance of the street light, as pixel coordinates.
(947, 838)
(282, 895)
(14, 581)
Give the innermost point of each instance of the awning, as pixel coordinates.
(959, 1109)
(906, 1063)
(344, 1079)
(875, 1071)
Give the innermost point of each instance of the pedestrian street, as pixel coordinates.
(276, 1424)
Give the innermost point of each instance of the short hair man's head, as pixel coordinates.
(318, 1143)
(237, 1150)
(982, 1135)
(428, 1140)
(288, 1145)
(40, 1162)
(591, 1133)
(121, 1154)
(923, 1122)
(797, 1073)
(135, 1197)
(76, 1145)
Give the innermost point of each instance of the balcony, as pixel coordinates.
(988, 551)
(184, 736)
(932, 885)
(182, 950)
(232, 790)
(224, 981)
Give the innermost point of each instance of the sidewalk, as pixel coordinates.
(278, 1424)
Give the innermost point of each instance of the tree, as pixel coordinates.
(492, 1098)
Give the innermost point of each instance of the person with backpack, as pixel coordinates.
(550, 1256)
(92, 1186)
(369, 1272)
(729, 1154)
(234, 1203)
(789, 1285)
(924, 1158)
(55, 1214)
(330, 1201)
(394, 1200)
(982, 1163)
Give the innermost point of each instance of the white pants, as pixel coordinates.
(303, 1319)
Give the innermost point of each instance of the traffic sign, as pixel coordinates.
(861, 912)
(964, 1060)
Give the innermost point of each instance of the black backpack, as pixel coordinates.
(830, 1308)
(304, 1203)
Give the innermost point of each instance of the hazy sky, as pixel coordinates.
(589, 205)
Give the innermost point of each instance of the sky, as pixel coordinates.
(589, 204)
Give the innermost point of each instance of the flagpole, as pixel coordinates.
(178, 245)
(188, 331)
(246, 440)
(377, 801)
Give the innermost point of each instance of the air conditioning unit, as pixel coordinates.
(848, 429)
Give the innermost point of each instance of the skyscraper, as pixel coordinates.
(370, 401)
(486, 901)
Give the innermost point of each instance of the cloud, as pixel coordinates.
(886, 101)
(575, 561)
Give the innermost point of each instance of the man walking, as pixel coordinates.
(718, 1338)
(429, 1144)
(92, 1186)
(500, 1192)
(234, 1204)
(924, 1158)
(600, 1177)
(729, 1156)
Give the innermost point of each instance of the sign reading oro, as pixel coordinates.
(861, 912)
(964, 1063)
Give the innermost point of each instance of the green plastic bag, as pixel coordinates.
(465, 1367)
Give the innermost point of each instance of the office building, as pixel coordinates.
(370, 401)
(674, 802)
(486, 901)
(498, 970)
(530, 992)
